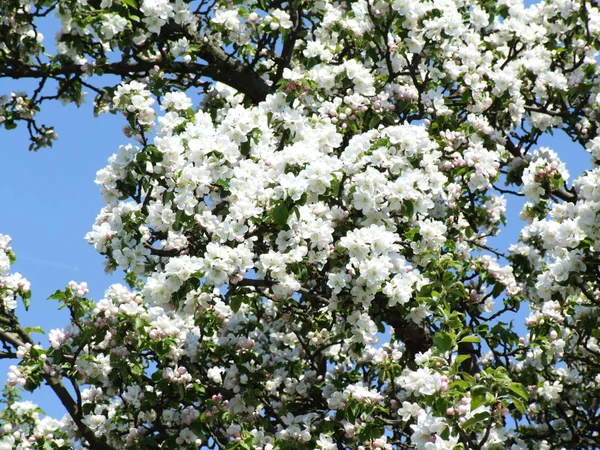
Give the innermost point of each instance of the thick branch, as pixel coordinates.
(221, 67)
(226, 69)
(416, 338)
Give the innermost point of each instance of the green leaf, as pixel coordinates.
(498, 289)
(460, 358)
(58, 295)
(518, 404)
(167, 196)
(245, 148)
(477, 399)
(443, 342)
(461, 384)
(130, 3)
(235, 303)
(140, 324)
(178, 220)
(411, 234)
(476, 419)
(469, 232)
(280, 214)
(26, 299)
(520, 390)
(471, 338)
(12, 258)
(408, 208)
(30, 330)
(375, 120)
(303, 199)
(149, 442)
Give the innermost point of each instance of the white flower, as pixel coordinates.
(216, 374)
(550, 391)
(283, 19)
(177, 101)
(228, 18)
(326, 443)
(15, 376)
(426, 430)
(363, 394)
(423, 381)
(4, 263)
(408, 410)
(112, 25)
(56, 337)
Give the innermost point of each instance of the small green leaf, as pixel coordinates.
(280, 214)
(235, 303)
(130, 3)
(245, 148)
(375, 120)
(58, 295)
(460, 358)
(302, 200)
(167, 196)
(140, 324)
(518, 404)
(471, 338)
(178, 220)
(499, 288)
(476, 419)
(443, 342)
(36, 329)
(26, 299)
(520, 390)
(408, 208)
(460, 383)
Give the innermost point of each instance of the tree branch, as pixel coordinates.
(221, 67)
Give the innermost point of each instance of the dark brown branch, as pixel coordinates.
(221, 67)
(416, 338)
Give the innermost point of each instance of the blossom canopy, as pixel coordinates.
(303, 213)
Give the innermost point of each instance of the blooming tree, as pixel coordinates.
(306, 242)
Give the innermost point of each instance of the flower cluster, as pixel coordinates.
(12, 286)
